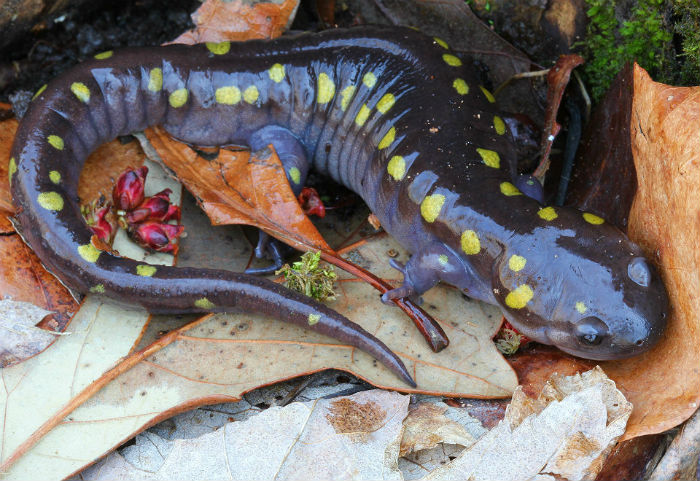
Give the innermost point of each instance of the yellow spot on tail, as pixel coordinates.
(489, 96)
(219, 48)
(313, 319)
(204, 303)
(11, 168)
(362, 115)
(40, 91)
(89, 252)
(145, 270)
(178, 98)
(56, 142)
(276, 72)
(155, 80)
(499, 125)
(441, 42)
(451, 60)
(397, 167)
(50, 200)
(431, 206)
(388, 139)
(81, 91)
(98, 289)
(509, 189)
(490, 158)
(326, 89)
(516, 263)
(443, 260)
(295, 175)
(581, 307)
(461, 86)
(470, 242)
(518, 298)
(346, 96)
(104, 55)
(251, 94)
(369, 80)
(228, 95)
(592, 218)
(547, 213)
(385, 103)
(55, 176)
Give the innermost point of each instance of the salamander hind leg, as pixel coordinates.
(293, 156)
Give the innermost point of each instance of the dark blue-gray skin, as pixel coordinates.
(388, 112)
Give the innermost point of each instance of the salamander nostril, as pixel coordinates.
(640, 342)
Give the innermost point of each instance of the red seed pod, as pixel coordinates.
(95, 216)
(128, 191)
(156, 236)
(156, 209)
(311, 202)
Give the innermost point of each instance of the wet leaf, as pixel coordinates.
(20, 338)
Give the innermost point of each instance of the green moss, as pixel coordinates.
(687, 27)
(610, 43)
(308, 277)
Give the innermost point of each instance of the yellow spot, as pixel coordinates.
(362, 115)
(397, 167)
(55, 176)
(489, 96)
(155, 80)
(313, 319)
(98, 289)
(277, 72)
(145, 270)
(499, 125)
(50, 200)
(385, 103)
(369, 80)
(519, 298)
(592, 218)
(346, 96)
(509, 189)
(490, 158)
(178, 98)
(326, 89)
(251, 94)
(12, 168)
(547, 213)
(81, 91)
(89, 252)
(461, 86)
(204, 303)
(388, 139)
(56, 142)
(451, 60)
(470, 242)
(295, 175)
(581, 307)
(516, 263)
(104, 55)
(219, 48)
(40, 91)
(228, 95)
(442, 259)
(431, 206)
(441, 42)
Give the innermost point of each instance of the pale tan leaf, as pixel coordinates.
(426, 426)
(19, 336)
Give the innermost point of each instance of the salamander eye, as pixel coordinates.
(590, 331)
(639, 272)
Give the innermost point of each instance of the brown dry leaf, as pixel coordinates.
(218, 20)
(664, 384)
(426, 425)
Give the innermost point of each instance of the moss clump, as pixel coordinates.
(308, 277)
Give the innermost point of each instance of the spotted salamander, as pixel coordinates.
(392, 114)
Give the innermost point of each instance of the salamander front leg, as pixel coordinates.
(423, 271)
(296, 166)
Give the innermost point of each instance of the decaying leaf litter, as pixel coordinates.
(684, 98)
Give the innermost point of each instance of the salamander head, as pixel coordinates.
(583, 286)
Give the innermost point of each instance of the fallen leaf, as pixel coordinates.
(567, 431)
(21, 338)
(426, 426)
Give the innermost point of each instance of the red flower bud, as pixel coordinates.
(95, 216)
(128, 191)
(159, 237)
(311, 202)
(157, 209)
